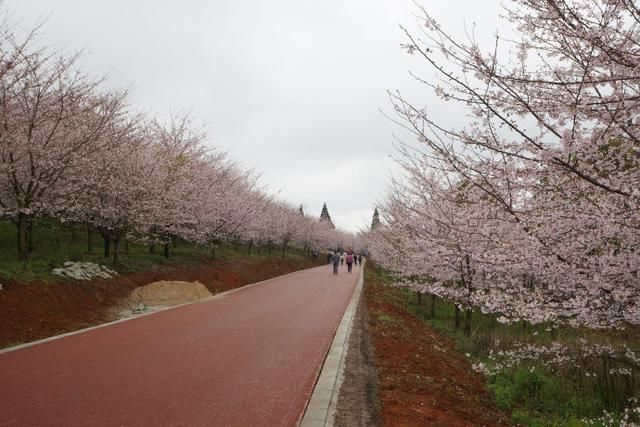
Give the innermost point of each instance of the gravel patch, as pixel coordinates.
(357, 402)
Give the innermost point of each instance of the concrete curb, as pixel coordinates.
(104, 325)
(321, 409)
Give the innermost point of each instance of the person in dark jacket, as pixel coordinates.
(335, 259)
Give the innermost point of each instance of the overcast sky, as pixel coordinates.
(290, 88)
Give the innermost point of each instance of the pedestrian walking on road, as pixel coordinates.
(360, 259)
(349, 262)
(342, 259)
(335, 259)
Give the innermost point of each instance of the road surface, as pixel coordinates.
(247, 358)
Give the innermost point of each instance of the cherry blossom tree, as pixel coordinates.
(54, 117)
(179, 149)
(548, 158)
(123, 191)
(72, 151)
(285, 224)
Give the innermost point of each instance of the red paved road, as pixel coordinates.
(248, 358)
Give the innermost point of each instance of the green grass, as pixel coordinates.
(536, 397)
(55, 243)
(387, 318)
(532, 392)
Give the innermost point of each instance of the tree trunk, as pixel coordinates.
(606, 374)
(284, 248)
(126, 245)
(30, 236)
(457, 316)
(166, 250)
(107, 245)
(467, 322)
(269, 246)
(116, 245)
(23, 237)
(419, 297)
(250, 245)
(213, 251)
(89, 240)
(433, 306)
(152, 248)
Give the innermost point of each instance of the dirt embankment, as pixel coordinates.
(30, 311)
(421, 379)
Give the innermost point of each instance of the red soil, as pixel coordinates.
(31, 311)
(422, 379)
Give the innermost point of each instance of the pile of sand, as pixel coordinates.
(161, 294)
(169, 293)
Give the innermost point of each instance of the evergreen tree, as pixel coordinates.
(324, 215)
(375, 223)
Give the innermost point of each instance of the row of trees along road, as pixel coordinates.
(74, 151)
(531, 210)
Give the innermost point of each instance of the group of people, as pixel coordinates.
(349, 257)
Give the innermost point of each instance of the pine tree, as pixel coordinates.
(324, 215)
(375, 223)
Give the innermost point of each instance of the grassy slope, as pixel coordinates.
(55, 243)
